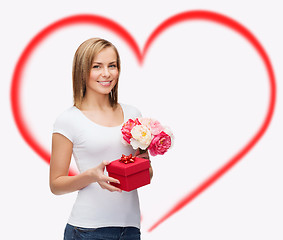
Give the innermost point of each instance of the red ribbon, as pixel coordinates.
(127, 159)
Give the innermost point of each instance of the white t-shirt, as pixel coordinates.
(92, 143)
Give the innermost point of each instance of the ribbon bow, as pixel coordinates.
(127, 159)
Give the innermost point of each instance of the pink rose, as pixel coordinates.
(154, 126)
(160, 144)
(127, 128)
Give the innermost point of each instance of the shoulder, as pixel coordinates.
(131, 110)
(66, 123)
(67, 115)
(67, 119)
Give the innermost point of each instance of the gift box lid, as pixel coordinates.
(123, 169)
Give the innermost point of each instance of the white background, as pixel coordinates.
(202, 79)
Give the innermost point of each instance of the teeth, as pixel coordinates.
(105, 83)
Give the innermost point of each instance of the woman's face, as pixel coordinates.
(104, 72)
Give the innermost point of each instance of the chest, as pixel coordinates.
(106, 118)
(95, 144)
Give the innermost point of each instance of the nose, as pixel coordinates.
(105, 72)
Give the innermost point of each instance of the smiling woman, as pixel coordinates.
(90, 130)
(104, 73)
(96, 60)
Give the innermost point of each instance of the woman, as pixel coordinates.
(91, 131)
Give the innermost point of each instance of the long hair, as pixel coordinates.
(82, 64)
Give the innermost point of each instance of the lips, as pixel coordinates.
(105, 83)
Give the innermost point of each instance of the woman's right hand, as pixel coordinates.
(61, 183)
(97, 174)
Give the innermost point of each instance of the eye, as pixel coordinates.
(113, 66)
(96, 66)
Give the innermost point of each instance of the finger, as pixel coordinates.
(137, 152)
(103, 164)
(109, 187)
(143, 155)
(109, 179)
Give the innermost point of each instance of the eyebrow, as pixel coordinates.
(102, 63)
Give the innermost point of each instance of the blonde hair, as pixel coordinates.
(82, 64)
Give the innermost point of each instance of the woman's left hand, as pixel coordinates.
(146, 156)
(141, 155)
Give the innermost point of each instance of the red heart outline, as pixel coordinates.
(15, 94)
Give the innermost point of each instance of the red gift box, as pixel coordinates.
(132, 172)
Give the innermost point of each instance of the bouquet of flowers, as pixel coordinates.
(147, 133)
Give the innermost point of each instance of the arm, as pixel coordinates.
(145, 155)
(60, 182)
(150, 172)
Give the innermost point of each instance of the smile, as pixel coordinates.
(105, 83)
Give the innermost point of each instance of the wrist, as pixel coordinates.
(89, 176)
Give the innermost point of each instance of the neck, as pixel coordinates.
(95, 102)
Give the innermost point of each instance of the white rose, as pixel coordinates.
(141, 137)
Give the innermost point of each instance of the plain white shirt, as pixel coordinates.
(92, 143)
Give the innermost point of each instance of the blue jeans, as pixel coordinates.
(105, 233)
